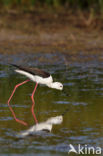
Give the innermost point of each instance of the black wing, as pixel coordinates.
(34, 71)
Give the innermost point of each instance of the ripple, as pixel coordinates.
(5, 118)
(62, 102)
(79, 103)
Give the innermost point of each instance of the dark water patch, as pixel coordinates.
(5, 118)
(33, 59)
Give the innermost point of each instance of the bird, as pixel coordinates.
(39, 77)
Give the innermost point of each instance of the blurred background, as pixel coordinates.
(53, 25)
(65, 38)
(97, 6)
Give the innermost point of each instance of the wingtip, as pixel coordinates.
(11, 64)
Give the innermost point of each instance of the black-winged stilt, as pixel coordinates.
(38, 76)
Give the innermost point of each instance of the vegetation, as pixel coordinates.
(81, 4)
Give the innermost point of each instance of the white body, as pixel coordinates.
(40, 80)
(36, 78)
(47, 125)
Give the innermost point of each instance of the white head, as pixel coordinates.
(56, 85)
(55, 120)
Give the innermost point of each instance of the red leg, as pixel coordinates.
(33, 103)
(20, 121)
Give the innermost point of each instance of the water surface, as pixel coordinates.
(82, 124)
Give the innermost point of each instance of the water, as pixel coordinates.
(82, 124)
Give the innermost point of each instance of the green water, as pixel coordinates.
(82, 124)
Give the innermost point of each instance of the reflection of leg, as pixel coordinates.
(20, 121)
(33, 103)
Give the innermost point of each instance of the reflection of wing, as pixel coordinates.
(72, 149)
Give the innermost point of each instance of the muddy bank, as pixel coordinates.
(74, 35)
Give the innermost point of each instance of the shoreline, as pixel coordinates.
(47, 33)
